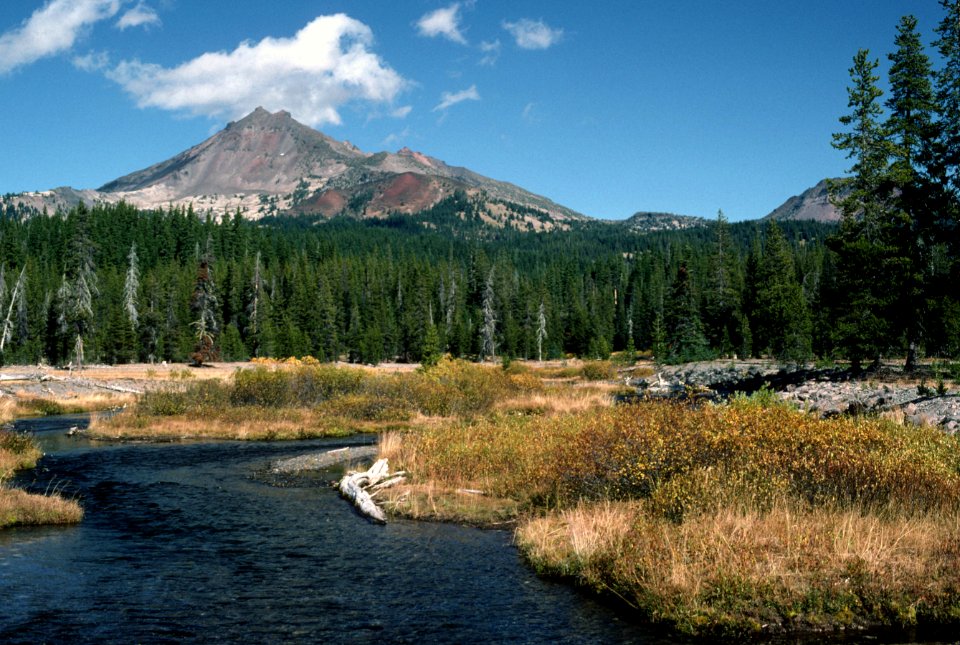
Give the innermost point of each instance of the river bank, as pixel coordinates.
(19, 508)
(740, 519)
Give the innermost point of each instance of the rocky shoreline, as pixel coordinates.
(827, 392)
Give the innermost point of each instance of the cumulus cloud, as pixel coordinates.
(533, 34)
(140, 16)
(323, 66)
(449, 99)
(443, 22)
(52, 29)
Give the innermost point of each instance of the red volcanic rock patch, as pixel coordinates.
(328, 203)
(407, 193)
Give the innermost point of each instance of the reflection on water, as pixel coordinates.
(183, 543)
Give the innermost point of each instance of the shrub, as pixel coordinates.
(598, 371)
(456, 387)
(163, 403)
(43, 407)
(368, 407)
(301, 386)
(673, 454)
(260, 386)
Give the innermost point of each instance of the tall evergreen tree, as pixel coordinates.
(204, 303)
(783, 321)
(948, 97)
(131, 287)
(863, 326)
(685, 340)
(489, 329)
(722, 307)
(908, 229)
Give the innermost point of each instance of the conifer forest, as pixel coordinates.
(110, 283)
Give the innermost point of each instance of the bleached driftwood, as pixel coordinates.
(356, 487)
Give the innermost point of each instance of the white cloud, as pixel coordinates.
(140, 16)
(52, 29)
(449, 99)
(533, 34)
(443, 22)
(325, 65)
(491, 52)
(92, 62)
(401, 112)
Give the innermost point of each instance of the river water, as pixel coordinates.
(187, 543)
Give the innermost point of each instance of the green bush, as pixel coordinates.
(260, 386)
(749, 454)
(15, 442)
(598, 371)
(163, 403)
(44, 407)
(304, 386)
(368, 407)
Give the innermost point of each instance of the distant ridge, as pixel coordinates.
(647, 222)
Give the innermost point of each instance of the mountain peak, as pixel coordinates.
(262, 117)
(271, 162)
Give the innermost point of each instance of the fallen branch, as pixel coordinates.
(356, 486)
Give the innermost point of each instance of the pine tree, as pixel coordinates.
(685, 340)
(948, 100)
(721, 310)
(907, 231)
(863, 325)
(430, 349)
(78, 286)
(541, 330)
(18, 304)
(204, 305)
(783, 320)
(131, 287)
(489, 329)
(257, 313)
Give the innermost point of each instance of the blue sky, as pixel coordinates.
(609, 107)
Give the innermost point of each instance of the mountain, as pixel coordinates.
(811, 204)
(269, 164)
(646, 222)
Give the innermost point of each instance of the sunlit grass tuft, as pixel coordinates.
(18, 451)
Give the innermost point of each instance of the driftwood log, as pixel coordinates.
(360, 487)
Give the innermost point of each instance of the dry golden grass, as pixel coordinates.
(27, 405)
(18, 508)
(462, 505)
(742, 572)
(254, 426)
(719, 520)
(8, 409)
(560, 399)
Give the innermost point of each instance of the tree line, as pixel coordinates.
(114, 284)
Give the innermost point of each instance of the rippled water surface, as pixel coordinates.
(186, 543)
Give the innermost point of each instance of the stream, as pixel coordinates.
(187, 543)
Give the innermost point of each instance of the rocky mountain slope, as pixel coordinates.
(645, 222)
(270, 164)
(811, 204)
